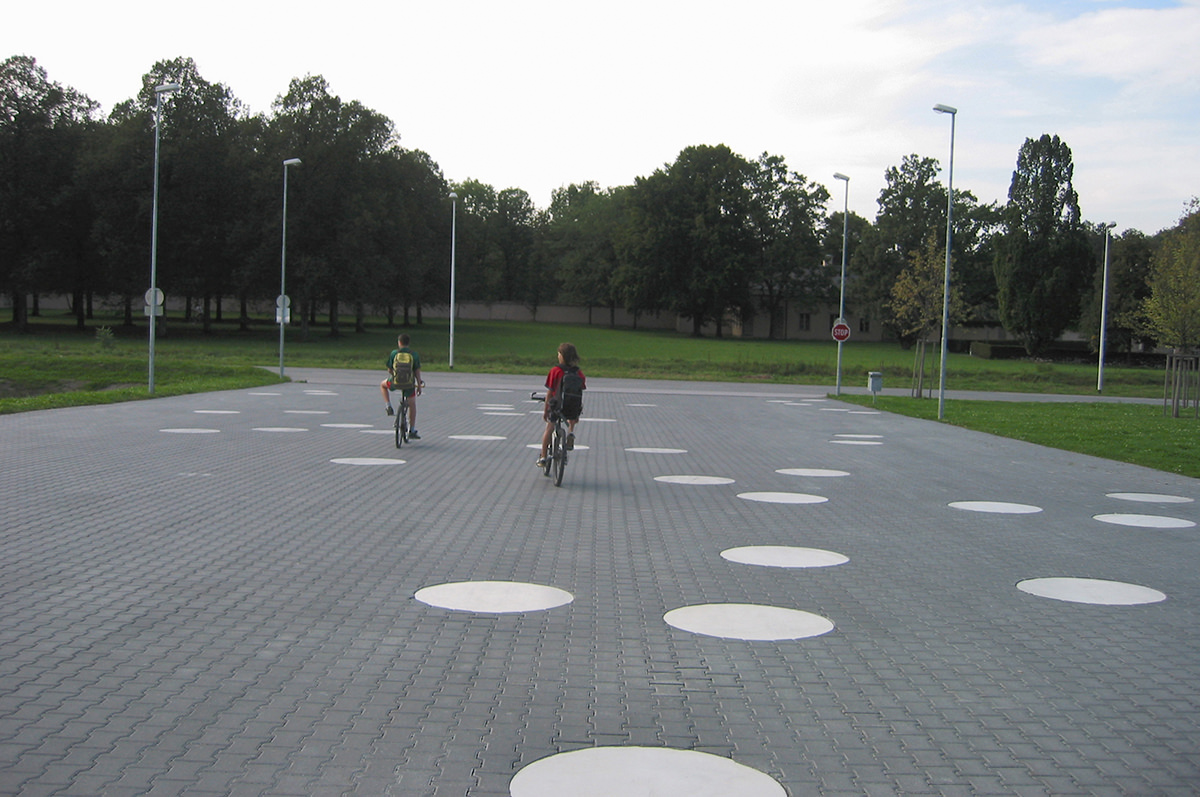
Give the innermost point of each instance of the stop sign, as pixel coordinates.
(841, 331)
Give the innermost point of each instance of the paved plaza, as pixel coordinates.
(739, 589)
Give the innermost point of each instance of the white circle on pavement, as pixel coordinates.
(1145, 521)
(657, 450)
(493, 597)
(476, 437)
(190, 431)
(783, 556)
(835, 409)
(378, 431)
(861, 436)
(689, 479)
(747, 621)
(1091, 590)
(641, 405)
(784, 498)
(998, 507)
(640, 772)
(819, 473)
(217, 412)
(538, 446)
(259, 393)
(366, 461)
(306, 412)
(865, 412)
(494, 407)
(857, 442)
(505, 414)
(346, 425)
(597, 420)
(279, 429)
(1152, 498)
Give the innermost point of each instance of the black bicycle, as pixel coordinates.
(402, 420)
(556, 454)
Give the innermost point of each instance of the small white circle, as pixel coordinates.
(861, 436)
(1145, 521)
(747, 621)
(657, 450)
(641, 405)
(476, 437)
(217, 412)
(689, 479)
(306, 412)
(857, 442)
(998, 507)
(377, 431)
(366, 461)
(784, 498)
(260, 393)
(1151, 498)
(278, 429)
(1091, 590)
(346, 425)
(493, 597)
(783, 556)
(819, 473)
(640, 772)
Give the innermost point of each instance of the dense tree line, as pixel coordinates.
(711, 237)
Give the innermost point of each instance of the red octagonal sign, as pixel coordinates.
(841, 332)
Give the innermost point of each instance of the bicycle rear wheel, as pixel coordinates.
(402, 423)
(560, 455)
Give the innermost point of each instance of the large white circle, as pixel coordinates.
(1151, 498)
(641, 772)
(861, 436)
(366, 461)
(493, 597)
(784, 498)
(689, 479)
(998, 507)
(279, 429)
(657, 450)
(815, 472)
(1145, 521)
(1091, 590)
(747, 621)
(783, 556)
(306, 412)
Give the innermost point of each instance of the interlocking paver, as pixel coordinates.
(233, 613)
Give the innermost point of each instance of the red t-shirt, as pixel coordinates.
(554, 379)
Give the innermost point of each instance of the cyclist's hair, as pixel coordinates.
(569, 354)
(403, 339)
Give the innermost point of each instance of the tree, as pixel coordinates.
(785, 213)
(1172, 310)
(918, 296)
(1128, 287)
(1043, 259)
(43, 225)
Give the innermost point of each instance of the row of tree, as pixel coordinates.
(711, 237)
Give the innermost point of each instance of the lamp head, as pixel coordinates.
(167, 88)
(840, 176)
(292, 162)
(1110, 225)
(453, 195)
(945, 109)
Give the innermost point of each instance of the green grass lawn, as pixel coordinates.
(56, 366)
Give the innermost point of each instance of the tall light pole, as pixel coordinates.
(842, 301)
(152, 297)
(282, 304)
(1104, 311)
(949, 238)
(453, 238)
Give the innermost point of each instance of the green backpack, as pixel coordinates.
(402, 371)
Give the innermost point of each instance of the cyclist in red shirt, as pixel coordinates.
(568, 361)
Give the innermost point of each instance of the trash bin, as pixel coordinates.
(875, 381)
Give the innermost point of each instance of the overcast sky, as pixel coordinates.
(535, 95)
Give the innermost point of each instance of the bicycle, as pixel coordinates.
(556, 454)
(402, 420)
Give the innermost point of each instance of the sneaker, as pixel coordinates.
(571, 441)
(389, 409)
(541, 463)
(412, 435)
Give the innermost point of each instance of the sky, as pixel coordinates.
(537, 95)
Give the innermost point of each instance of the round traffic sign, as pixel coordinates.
(841, 331)
(154, 297)
(283, 301)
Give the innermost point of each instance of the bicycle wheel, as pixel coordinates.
(560, 455)
(401, 423)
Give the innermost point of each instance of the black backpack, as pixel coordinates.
(570, 392)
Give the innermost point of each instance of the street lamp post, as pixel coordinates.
(842, 300)
(1104, 311)
(453, 239)
(949, 238)
(282, 304)
(152, 297)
